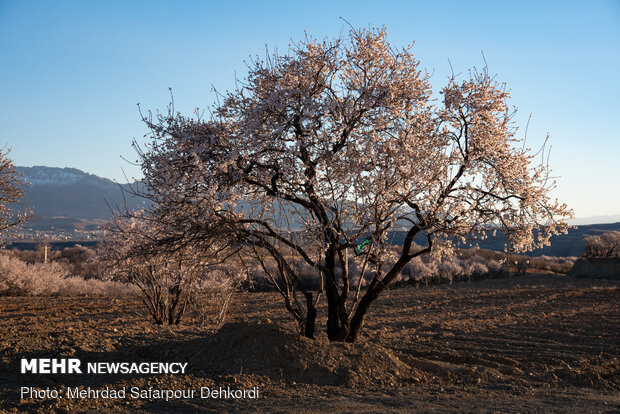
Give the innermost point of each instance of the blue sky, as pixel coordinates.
(71, 73)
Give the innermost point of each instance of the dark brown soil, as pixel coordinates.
(602, 267)
(523, 344)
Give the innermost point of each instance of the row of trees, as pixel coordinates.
(315, 158)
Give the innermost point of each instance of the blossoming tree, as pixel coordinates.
(321, 154)
(11, 192)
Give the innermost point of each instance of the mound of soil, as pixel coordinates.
(597, 267)
(268, 350)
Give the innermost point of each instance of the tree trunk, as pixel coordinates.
(357, 321)
(337, 326)
(310, 322)
(336, 330)
(373, 292)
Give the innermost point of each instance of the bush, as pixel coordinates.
(553, 264)
(210, 298)
(465, 265)
(605, 245)
(168, 279)
(18, 278)
(80, 260)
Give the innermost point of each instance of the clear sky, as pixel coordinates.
(72, 72)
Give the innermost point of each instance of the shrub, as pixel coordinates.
(210, 298)
(168, 280)
(553, 264)
(605, 245)
(81, 260)
(18, 278)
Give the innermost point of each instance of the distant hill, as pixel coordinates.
(70, 198)
(595, 220)
(570, 244)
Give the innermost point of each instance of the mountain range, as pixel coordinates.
(66, 198)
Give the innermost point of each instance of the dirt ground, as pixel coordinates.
(532, 343)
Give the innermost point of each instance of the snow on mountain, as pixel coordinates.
(43, 176)
(72, 193)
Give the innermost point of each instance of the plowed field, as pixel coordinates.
(532, 343)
